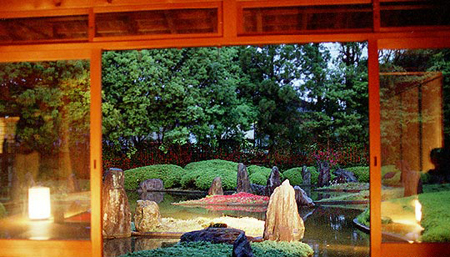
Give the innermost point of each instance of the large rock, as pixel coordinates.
(302, 198)
(324, 174)
(283, 222)
(213, 235)
(306, 175)
(241, 247)
(116, 210)
(258, 189)
(147, 216)
(216, 187)
(273, 181)
(243, 183)
(344, 176)
(156, 197)
(151, 185)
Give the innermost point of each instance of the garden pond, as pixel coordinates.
(329, 229)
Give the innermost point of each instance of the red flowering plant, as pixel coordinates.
(234, 199)
(329, 155)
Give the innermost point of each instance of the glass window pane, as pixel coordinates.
(306, 19)
(157, 22)
(44, 153)
(414, 97)
(34, 30)
(416, 13)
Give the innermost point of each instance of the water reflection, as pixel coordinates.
(329, 230)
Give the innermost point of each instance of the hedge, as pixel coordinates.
(170, 174)
(200, 175)
(361, 173)
(258, 175)
(295, 175)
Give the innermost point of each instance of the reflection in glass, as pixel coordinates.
(44, 155)
(414, 169)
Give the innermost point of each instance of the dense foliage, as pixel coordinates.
(361, 173)
(266, 248)
(295, 175)
(284, 94)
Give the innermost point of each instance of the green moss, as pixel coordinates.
(266, 248)
(361, 173)
(168, 173)
(199, 175)
(2, 211)
(287, 249)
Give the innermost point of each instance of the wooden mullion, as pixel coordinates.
(375, 150)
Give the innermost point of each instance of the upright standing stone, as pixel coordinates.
(324, 174)
(216, 187)
(241, 247)
(273, 181)
(147, 216)
(306, 175)
(283, 222)
(243, 183)
(302, 198)
(116, 210)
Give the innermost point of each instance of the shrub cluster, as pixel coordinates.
(201, 174)
(201, 248)
(258, 175)
(361, 173)
(295, 175)
(170, 174)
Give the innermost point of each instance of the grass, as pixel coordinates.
(262, 249)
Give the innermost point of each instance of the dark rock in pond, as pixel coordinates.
(241, 247)
(258, 189)
(72, 184)
(273, 181)
(283, 222)
(116, 210)
(151, 185)
(213, 235)
(156, 197)
(243, 183)
(324, 174)
(344, 176)
(302, 198)
(216, 187)
(116, 247)
(147, 216)
(306, 175)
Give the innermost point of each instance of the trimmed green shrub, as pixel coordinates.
(200, 175)
(294, 175)
(201, 248)
(168, 173)
(258, 175)
(361, 173)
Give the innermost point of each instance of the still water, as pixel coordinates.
(329, 230)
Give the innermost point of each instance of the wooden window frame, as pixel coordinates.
(229, 21)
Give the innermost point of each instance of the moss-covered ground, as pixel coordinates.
(262, 249)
